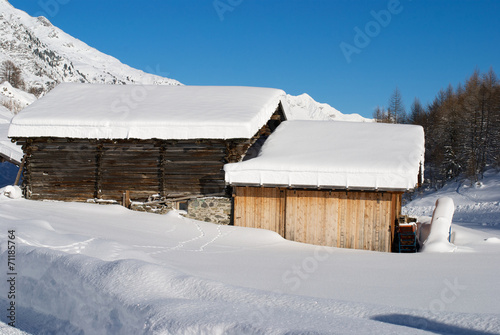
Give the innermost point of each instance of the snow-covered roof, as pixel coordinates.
(333, 154)
(8, 150)
(147, 111)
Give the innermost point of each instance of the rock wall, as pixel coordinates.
(217, 210)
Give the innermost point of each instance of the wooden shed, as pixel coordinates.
(329, 183)
(98, 142)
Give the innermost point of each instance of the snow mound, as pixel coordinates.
(303, 107)
(13, 192)
(440, 230)
(492, 240)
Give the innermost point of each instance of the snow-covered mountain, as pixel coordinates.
(13, 98)
(303, 107)
(47, 55)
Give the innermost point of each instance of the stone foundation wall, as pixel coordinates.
(215, 210)
(158, 209)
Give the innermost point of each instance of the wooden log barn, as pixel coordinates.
(100, 143)
(334, 184)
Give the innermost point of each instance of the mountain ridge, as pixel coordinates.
(47, 56)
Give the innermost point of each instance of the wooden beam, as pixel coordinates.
(21, 167)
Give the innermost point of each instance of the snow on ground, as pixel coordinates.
(15, 95)
(477, 205)
(94, 269)
(5, 329)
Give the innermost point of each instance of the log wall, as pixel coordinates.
(78, 170)
(344, 219)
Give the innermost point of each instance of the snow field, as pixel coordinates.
(477, 205)
(106, 270)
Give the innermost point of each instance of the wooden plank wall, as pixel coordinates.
(357, 220)
(263, 203)
(60, 170)
(189, 168)
(127, 166)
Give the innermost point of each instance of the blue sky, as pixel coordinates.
(349, 54)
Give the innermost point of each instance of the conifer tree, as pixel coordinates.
(396, 109)
(418, 114)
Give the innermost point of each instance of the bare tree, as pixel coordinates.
(418, 114)
(462, 129)
(11, 73)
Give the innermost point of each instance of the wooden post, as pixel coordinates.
(420, 176)
(21, 167)
(126, 199)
